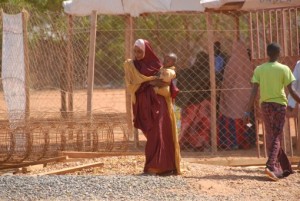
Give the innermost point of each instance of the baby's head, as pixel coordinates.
(170, 60)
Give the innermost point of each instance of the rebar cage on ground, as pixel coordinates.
(40, 138)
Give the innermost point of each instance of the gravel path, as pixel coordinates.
(119, 179)
(95, 188)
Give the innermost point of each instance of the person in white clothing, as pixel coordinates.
(291, 102)
(296, 84)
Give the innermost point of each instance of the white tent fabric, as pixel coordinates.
(85, 7)
(215, 4)
(186, 5)
(132, 7)
(13, 67)
(137, 7)
(266, 4)
(115, 7)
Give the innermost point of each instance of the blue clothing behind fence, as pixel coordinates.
(219, 63)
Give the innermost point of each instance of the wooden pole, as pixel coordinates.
(257, 135)
(70, 67)
(251, 35)
(237, 26)
(257, 34)
(72, 169)
(210, 38)
(284, 33)
(63, 95)
(297, 105)
(277, 26)
(265, 139)
(235, 161)
(255, 109)
(298, 129)
(76, 154)
(290, 139)
(188, 37)
(91, 62)
(286, 137)
(64, 80)
(291, 33)
(265, 37)
(286, 133)
(25, 17)
(128, 54)
(270, 26)
(297, 34)
(91, 69)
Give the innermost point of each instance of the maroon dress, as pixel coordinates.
(151, 115)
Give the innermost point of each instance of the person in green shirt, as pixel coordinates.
(271, 78)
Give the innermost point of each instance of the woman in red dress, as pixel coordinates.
(153, 112)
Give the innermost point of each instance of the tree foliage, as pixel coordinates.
(52, 5)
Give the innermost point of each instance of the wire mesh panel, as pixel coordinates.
(6, 144)
(233, 70)
(58, 49)
(186, 36)
(240, 40)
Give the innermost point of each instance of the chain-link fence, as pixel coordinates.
(58, 52)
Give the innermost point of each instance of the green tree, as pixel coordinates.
(51, 5)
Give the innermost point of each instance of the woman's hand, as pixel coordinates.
(159, 83)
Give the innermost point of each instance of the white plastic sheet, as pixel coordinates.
(13, 67)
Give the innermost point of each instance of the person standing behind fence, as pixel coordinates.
(153, 113)
(271, 78)
(233, 134)
(194, 101)
(220, 62)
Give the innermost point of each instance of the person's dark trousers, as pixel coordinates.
(274, 118)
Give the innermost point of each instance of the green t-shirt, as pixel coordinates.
(272, 77)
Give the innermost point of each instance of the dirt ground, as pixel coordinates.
(229, 183)
(251, 182)
(49, 101)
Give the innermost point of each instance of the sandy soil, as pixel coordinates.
(217, 182)
(107, 100)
